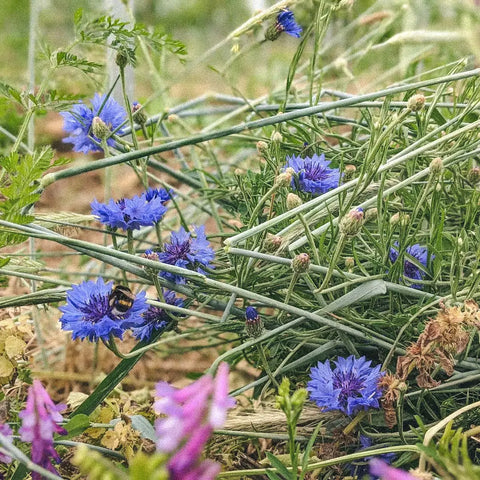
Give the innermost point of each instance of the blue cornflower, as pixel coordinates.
(156, 318)
(88, 313)
(352, 386)
(187, 252)
(410, 269)
(286, 23)
(361, 469)
(130, 213)
(313, 174)
(164, 195)
(78, 123)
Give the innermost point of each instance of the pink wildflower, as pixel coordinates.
(386, 472)
(39, 423)
(6, 431)
(191, 415)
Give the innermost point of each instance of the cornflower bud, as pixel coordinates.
(121, 59)
(262, 147)
(416, 102)
(253, 323)
(349, 263)
(436, 166)
(400, 218)
(293, 201)
(100, 128)
(272, 242)
(284, 178)
(301, 263)
(277, 137)
(351, 223)
(371, 214)
(138, 113)
(474, 175)
(349, 172)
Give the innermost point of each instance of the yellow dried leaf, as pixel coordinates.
(14, 346)
(110, 440)
(75, 399)
(6, 367)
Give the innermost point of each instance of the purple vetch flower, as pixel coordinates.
(286, 23)
(88, 312)
(187, 252)
(7, 433)
(313, 174)
(156, 318)
(130, 213)
(360, 469)
(78, 122)
(190, 416)
(39, 423)
(386, 472)
(412, 270)
(350, 387)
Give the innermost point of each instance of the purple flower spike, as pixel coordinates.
(187, 252)
(131, 213)
(313, 174)
(410, 269)
(39, 423)
(386, 472)
(78, 123)
(350, 387)
(89, 312)
(191, 415)
(7, 433)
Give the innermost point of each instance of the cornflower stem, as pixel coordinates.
(280, 118)
(266, 365)
(439, 426)
(260, 204)
(325, 463)
(291, 286)
(115, 246)
(331, 267)
(310, 238)
(130, 243)
(358, 418)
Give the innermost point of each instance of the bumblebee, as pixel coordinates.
(120, 300)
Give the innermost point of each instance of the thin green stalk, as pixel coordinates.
(280, 118)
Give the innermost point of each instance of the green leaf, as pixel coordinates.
(282, 469)
(76, 425)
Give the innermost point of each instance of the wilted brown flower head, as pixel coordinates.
(444, 336)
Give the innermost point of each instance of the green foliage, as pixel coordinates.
(451, 457)
(123, 36)
(19, 188)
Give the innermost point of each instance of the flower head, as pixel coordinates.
(286, 23)
(350, 387)
(130, 213)
(187, 252)
(88, 312)
(39, 423)
(156, 318)
(164, 195)
(79, 121)
(386, 472)
(253, 322)
(410, 269)
(190, 416)
(7, 433)
(313, 174)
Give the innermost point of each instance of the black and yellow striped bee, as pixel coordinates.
(120, 300)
